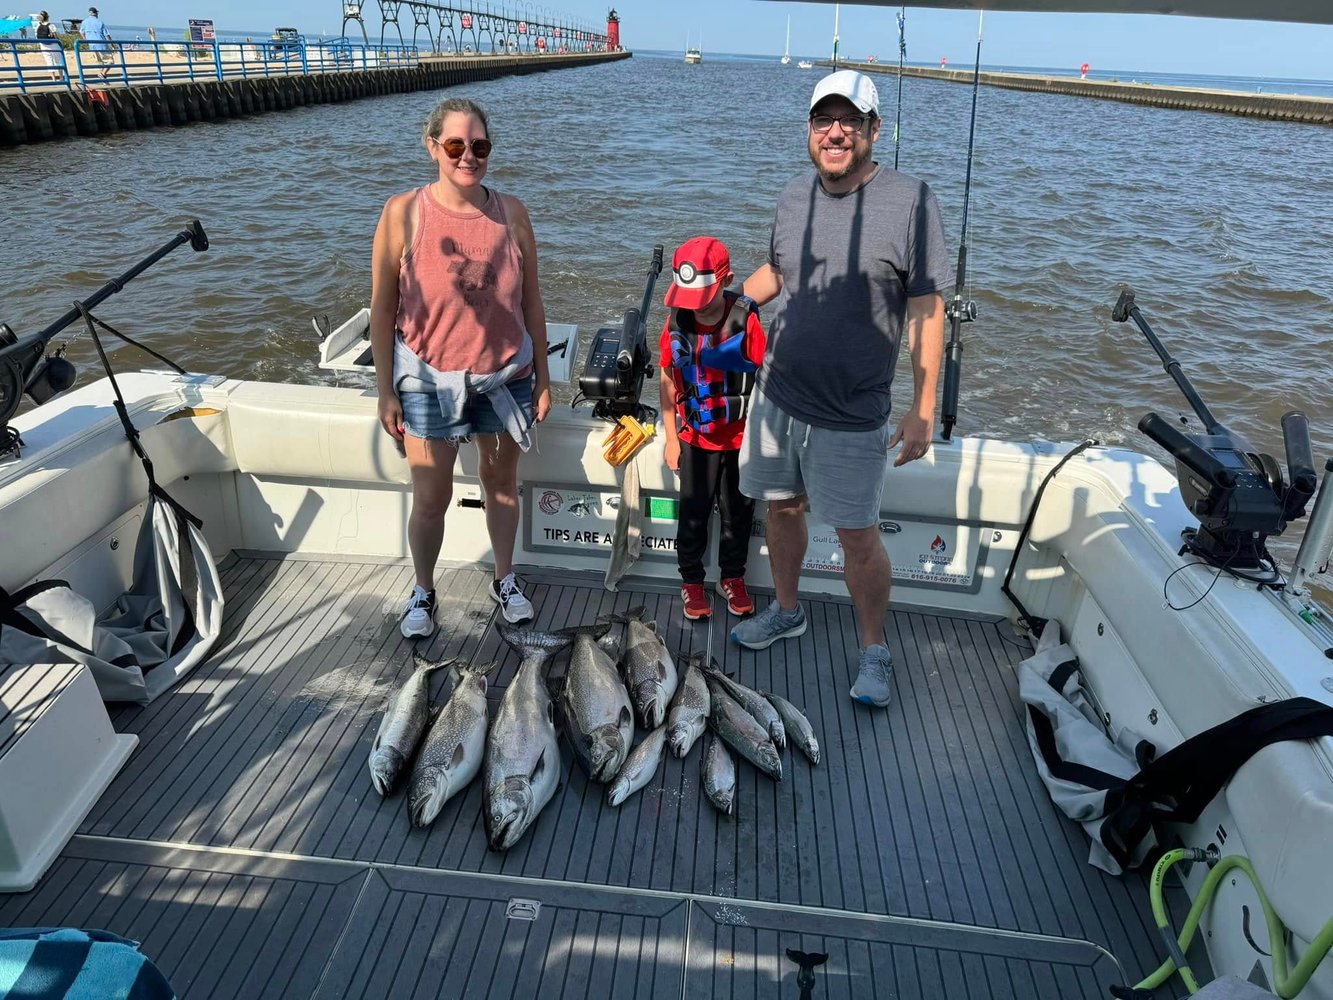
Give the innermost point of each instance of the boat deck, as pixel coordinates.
(244, 847)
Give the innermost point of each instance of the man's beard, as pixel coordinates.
(858, 159)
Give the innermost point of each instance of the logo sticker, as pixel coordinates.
(550, 502)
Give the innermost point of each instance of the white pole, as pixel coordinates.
(837, 13)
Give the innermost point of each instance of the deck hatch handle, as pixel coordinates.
(522, 909)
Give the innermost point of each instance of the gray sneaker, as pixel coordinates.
(769, 626)
(874, 678)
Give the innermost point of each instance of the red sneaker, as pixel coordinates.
(697, 604)
(739, 601)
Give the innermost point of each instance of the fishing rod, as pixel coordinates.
(960, 310)
(902, 57)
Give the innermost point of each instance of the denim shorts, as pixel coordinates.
(841, 472)
(423, 419)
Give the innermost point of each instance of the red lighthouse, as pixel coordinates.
(612, 31)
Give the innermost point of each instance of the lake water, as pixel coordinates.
(1220, 224)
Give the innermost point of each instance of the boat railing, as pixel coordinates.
(23, 67)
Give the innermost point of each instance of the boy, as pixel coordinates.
(711, 346)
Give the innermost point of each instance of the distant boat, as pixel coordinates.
(803, 64)
(694, 54)
(786, 52)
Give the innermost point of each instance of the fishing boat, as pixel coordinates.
(228, 825)
(786, 49)
(694, 54)
(805, 64)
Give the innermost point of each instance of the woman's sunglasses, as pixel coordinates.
(453, 148)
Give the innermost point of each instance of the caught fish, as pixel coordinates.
(719, 774)
(689, 712)
(402, 724)
(451, 756)
(797, 726)
(598, 721)
(650, 672)
(522, 762)
(742, 733)
(639, 767)
(754, 703)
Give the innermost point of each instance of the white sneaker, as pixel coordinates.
(419, 618)
(513, 604)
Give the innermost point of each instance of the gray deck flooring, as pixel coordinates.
(922, 855)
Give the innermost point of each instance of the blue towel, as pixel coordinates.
(63, 964)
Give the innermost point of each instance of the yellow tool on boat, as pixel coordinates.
(626, 438)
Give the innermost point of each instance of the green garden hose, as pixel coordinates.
(1286, 984)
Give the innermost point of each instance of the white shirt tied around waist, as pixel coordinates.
(412, 374)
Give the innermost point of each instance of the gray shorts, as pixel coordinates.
(842, 472)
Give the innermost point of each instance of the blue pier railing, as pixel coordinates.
(26, 66)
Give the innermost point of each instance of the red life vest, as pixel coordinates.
(717, 380)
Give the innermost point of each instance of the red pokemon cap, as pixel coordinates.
(700, 269)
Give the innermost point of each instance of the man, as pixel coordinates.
(857, 253)
(94, 30)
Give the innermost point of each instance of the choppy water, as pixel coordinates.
(1221, 224)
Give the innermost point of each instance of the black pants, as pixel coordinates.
(706, 476)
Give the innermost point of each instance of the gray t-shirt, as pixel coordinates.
(848, 264)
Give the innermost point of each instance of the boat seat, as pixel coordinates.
(298, 431)
(58, 753)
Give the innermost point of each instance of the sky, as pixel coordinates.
(1196, 46)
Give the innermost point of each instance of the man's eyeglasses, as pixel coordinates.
(453, 148)
(849, 123)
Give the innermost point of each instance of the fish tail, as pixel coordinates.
(478, 671)
(597, 630)
(430, 666)
(530, 640)
(625, 617)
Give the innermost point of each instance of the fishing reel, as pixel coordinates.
(25, 368)
(1238, 493)
(619, 360)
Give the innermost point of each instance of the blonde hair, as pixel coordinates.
(460, 105)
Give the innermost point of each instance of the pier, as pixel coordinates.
(1281, 107)
(59, 113)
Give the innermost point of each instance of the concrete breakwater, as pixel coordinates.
(1283, 107)
(58, 114)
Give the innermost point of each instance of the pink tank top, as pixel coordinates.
(460, 288)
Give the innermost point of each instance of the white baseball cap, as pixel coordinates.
(856, 87)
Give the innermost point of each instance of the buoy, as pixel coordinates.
(1084, 69)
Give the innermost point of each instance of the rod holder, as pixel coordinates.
(1317, 545)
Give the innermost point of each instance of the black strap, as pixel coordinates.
(1179, 784)
(1044, 731)
(122, 411)
(1031, 622)
(1079, 774)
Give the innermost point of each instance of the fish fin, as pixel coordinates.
(625, 716)
(717, 667)
(457, 757)
(538, 769)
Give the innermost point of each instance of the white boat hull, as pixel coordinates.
(306, 470)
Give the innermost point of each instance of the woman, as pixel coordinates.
(458, 334)
(53, 53)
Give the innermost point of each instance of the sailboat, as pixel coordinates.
(694, 55)
(786, 52)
